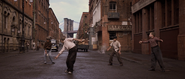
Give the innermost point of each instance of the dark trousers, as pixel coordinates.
(156, 57)
(117, 55)
(71, 58)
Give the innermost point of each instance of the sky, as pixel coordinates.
(71, 9)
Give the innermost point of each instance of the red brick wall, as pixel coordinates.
(84, 20)
(125, 40)
(42, 14)
(181, 36)
(163, 26)
(124, 12)
(53, 25)
(137, 46)
(169, 46)
(28, 6)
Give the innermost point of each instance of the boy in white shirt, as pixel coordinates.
(71, 47)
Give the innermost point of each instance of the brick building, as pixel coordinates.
(84, 24)
(11, 24)
(166, 19)
(42, 21)
(60, 35)
(91, 12)
(110, 18)
(54, 30)
(68, 26)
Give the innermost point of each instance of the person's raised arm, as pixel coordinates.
(143, 42)
(158, 39)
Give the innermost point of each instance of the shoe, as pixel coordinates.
(152, 70)
(121, 64)
(110, 64)
(66, 71)
(70, 72)
(53, 62)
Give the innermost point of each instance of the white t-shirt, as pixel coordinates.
(68, 44)
(116, 45)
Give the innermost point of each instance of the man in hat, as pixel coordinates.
(117, 50)
(47, 49)
(71, 47)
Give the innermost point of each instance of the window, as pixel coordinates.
(112, 6)
(176, 11)
(169, 12)
(112, 35)
(163, 13)
(6, 15)
(152, 17)
(5, 22)
(29, 34)
(13, 28)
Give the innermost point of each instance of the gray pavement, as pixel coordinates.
(89, 65)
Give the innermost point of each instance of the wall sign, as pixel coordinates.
(141, 4)
(119, 28)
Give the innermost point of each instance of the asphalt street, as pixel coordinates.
(89, 65)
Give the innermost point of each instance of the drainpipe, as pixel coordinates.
(2, 26)
(23, 39)
(33, 30)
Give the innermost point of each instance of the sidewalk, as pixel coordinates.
(15, 53)
(170, 64)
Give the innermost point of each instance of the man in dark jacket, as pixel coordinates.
(47, 49)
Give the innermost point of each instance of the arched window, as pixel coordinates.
(13, 26)
(5, 19)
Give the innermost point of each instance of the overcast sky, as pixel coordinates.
(71, 9)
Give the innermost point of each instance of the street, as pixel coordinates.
(89, 65)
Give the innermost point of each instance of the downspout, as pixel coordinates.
(33, 29)
(2, 25)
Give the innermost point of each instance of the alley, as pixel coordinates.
(89, 65)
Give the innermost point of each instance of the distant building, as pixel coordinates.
(68, 26)
(60, 35)
(84, 25)
(54, 30)
(42, 21)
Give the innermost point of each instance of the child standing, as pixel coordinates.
(155, 51)
(47, 49)
(117, 50)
